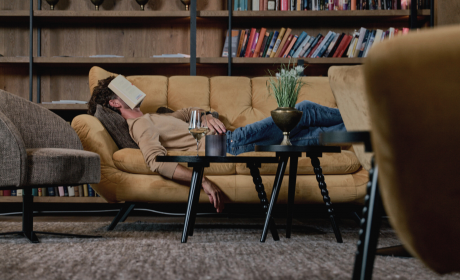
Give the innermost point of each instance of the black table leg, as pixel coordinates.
(196, 200)
(291, 194)
(327, 200)
(276, 190)
(263, 197)
(191, 196)
(370, 228)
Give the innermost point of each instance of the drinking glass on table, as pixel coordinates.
(197, 126)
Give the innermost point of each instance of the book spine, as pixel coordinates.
(91, 192)
(240, 43)
(341, 49)
(313, 50)
(236, 5)
(51, 191)
(6, 192)
(85, 190)
(77, 191)
(284, 5)
(338, 44)
(19, 192)
(35, 191)
(318, 49)
(255, 5)
(250, 41)
(61, 190)
(66, 191)
(267, 45)
(260, 41)
(71, 191)
(286, 44)
(325, 46)
(291, 45)
(331, 45)
(1, 192)
(278, 42)
(299, 40)
(40, 192)
(300, 48)
(14, 193)
(312, 45)
(80, 191)
(277, 5)
(283, 42)
(272, 44)
(364, 43)
(254, 44)
(264, 44)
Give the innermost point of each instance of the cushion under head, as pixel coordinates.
(117, 127)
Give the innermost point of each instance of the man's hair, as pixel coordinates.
(102, 95)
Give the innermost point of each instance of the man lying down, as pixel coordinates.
(155, 134)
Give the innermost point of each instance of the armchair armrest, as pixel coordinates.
(13, 156)
(344, 137)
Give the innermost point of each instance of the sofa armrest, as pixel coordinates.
(13, 156)
(95, 138)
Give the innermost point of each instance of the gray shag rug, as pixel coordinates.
(216, 251)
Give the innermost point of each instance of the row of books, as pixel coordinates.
(75, 191)
(250, 43)
(324, 5)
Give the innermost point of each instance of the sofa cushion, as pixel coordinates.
(345, 162)
(116, 126)
(132, 161)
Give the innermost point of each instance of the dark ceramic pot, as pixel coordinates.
(286, 118)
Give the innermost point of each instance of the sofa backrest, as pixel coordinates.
(239, 100)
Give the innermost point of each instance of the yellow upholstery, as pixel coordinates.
(239, 101)
(413, 85)
(347, 84)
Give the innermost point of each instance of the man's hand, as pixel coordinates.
(215, 124)
(214, 193)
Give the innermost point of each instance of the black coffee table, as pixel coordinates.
(294, 152)
(199, 163)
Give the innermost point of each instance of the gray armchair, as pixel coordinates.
(39, 149)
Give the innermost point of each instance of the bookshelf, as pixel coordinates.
(63, 40)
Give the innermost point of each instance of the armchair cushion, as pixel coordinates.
(116, 126)
(54, 166)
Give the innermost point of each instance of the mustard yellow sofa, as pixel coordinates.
(239, 101)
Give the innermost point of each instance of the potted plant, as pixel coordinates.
(285, 86)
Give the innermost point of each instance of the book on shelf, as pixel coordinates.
(254, 44)
(272, 43)
(76, 191)
(34, 191)
(71, 190)
(264, 44)
(313, 50)
(299, 40)
(255, 5)
(320, 5)
(235, 41)
(40, 193)
(19, 192)
(91, 192)
(267, 45)
(85, 190)
(51, 191)
(278, 42)
(283, 42)
(61, 190)
(128, 92)
(13, 193)
(172, 55)
(260, 40)
(240, 43)
(250, 42)
(1, 192)
(66, 190)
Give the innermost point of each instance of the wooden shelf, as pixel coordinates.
(316, 14)
(15, 60)
(8, 16)
(65, 106)
(55, 199)
(245, 60)
(107, 16)
(108, 60)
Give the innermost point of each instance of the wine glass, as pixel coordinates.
(142, 3)
(187, 4)
(97, 3)
(197, 126)
(52, 3)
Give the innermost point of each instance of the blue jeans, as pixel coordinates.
(315, 120)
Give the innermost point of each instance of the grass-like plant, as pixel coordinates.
(286, 84)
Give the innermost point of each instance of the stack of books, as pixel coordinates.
(325, 5)
(261, 43)
(75, 191)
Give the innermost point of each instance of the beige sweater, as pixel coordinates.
(155, 134)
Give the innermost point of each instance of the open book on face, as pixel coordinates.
(128, 92)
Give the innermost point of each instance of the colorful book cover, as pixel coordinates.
(300, 39)
(313, 45)
(6, 192)
(40, 192)
(90, 191)
(283, 42)
(35, 192)
(245, 43)
(13, 192)
(278, 42)
(326, 45)
(272, 44)
(250, 42)
(260, 40)
(235, 41)
(326, 39)
(267, 44)
(51, 191)
(286, 44)
(291, 44)
(240, 43)
(254, 44)
(61, 190)
(301, 46)
(336, 45)
(316, 46)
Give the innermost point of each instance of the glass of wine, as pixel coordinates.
(197, 126)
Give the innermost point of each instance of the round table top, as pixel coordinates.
(290, 149)
(209, 159)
